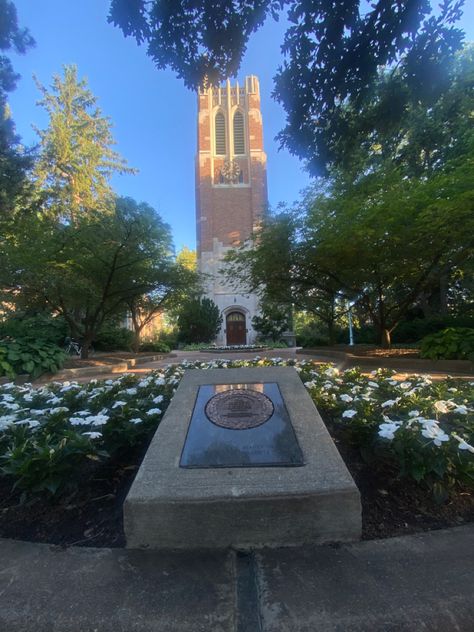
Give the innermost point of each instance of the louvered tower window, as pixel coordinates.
(239, 142)
(220, 134)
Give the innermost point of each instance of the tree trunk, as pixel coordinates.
(443, 293)
(385, 339)
(136, 340)
(331, 334)
(86, 343)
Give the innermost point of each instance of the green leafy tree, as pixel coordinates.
(187, 258)
(332, 52)
(15, 161)
(160, 281)
(272, 321)
(199, 320)
(90, 271)
(76, 158)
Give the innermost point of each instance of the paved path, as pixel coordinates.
(193, 356)
(412, 583)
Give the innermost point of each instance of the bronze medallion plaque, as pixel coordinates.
(239, 409)
(240, 425)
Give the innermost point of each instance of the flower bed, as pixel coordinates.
(76, 447)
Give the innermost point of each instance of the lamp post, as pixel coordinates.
(351, 331)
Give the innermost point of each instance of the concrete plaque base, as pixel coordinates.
(169, 506)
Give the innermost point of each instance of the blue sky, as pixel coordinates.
(153, 114)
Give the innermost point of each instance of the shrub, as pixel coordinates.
(449, 344)
(199, 321)
(272, 322)
(114, 339)
(25, 356)
(416, 329)
(42, 326)
(155, 345)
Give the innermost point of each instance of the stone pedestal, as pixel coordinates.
(186, 502)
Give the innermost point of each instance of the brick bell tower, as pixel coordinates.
(231, 194)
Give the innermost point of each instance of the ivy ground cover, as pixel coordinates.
(68, 452)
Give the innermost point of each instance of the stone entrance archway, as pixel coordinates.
(236, 330)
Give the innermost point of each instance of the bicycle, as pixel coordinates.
(72, 347)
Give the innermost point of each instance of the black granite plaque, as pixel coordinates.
(240, 425)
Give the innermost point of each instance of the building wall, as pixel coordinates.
(228, 209)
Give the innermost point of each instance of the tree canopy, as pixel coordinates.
(76, 158)
(386, 226)
(14, 160)
(332, 52)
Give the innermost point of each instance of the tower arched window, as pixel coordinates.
(220, 134)
(239, 139)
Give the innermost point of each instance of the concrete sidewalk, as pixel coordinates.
(413, 583)
(198, 356)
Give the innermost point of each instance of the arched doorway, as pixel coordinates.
(235, 328)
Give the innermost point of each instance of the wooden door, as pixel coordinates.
(236, 330)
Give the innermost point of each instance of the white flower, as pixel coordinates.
(373, 384)
(93, 435)
(136, 420)
(154, 411)
(158, 399)
(6, 421)
(119, 403)
(414, 413)
(68, 386)
(54, 400)
(453, 390)
(389, 403)
(331, 372)
(405, 385)
(388, 430)
(441, 406)
(77, 421)
(463, 444)
(349, 413)
(434, 432)
(130, 391)
(97, 420)
(346, 398)
(9, 406)
(32, 423)
(8, 398)
(461, 409)
(59, 409)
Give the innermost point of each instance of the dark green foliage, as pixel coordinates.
(14, 160)
(41, 326)
(272, 322)
(31, 357)
(449, 344)
(112, 338)
(332, 52)
(416, 329)
(46, 462)
(155, 346)
(199, 321)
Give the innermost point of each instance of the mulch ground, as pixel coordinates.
(93, 516)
